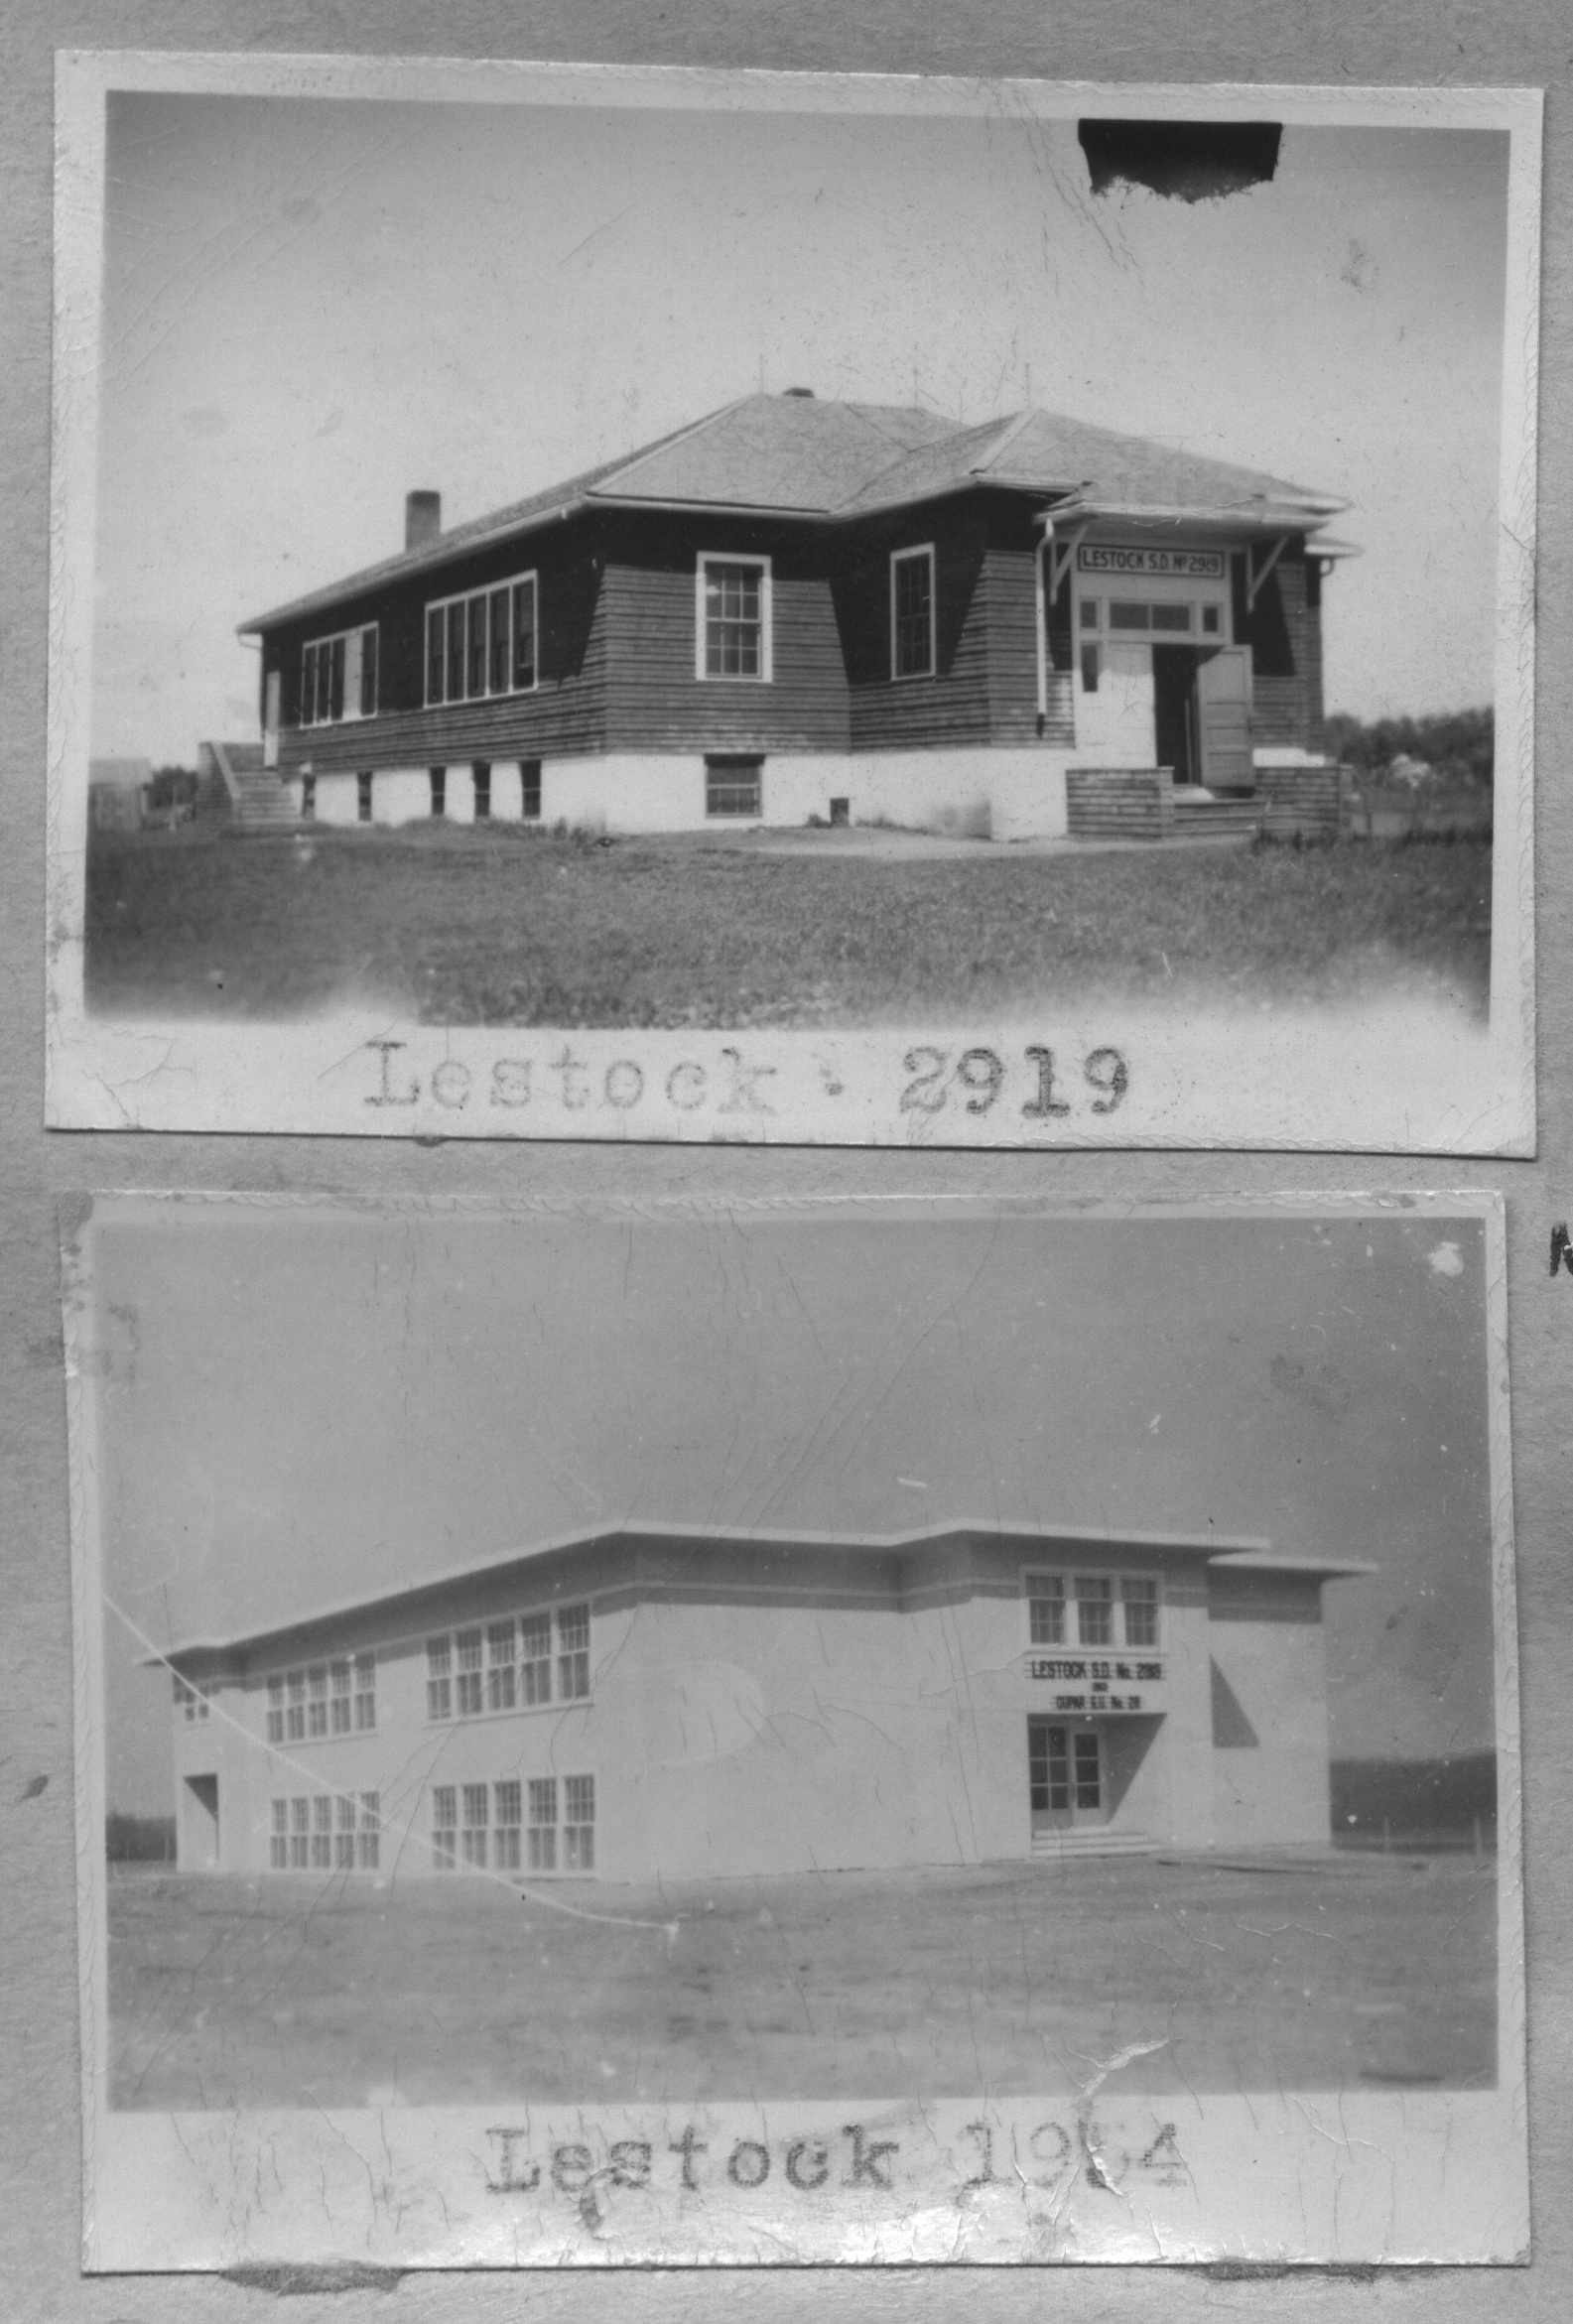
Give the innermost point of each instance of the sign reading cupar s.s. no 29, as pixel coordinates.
(1098, 1685)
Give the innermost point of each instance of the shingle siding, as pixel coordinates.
(1284, 633)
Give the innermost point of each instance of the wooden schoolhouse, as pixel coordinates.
(799, 609)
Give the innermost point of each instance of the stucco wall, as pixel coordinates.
(1269, 1714)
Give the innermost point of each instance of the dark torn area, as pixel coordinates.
(286, 2282)
(1185, 160)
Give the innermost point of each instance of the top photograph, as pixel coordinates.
(654, 604)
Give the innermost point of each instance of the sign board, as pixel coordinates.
(1175, 564)
(1086, 1685)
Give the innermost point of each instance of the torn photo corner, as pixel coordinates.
(879, 1731)
(1010, 624)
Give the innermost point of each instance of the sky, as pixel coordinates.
(311, 307)
(301, 1405)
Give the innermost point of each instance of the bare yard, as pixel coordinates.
(1375, 1972)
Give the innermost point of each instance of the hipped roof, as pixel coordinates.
(1249, 1553)
(795, 456)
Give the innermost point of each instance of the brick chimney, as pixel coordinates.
(423, 518)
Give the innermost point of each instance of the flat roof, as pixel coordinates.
(1238, 1552)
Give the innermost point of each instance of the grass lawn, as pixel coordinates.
(1368, 1972)
(504, 926)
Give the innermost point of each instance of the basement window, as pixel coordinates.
(364, 798)
(480, 773)
(530, 785)
(733, 786)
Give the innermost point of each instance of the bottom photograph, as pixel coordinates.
(867, 1730)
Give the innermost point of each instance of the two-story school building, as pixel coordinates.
(798, 610)
(651, 1703)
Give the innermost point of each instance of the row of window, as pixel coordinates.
(476, 1826)
(326, 1832)
(1099, 1602)
(481, 777)
(508, 1665)
(339, 677)
(190, 1703)
(485, 642)
(323, 1699)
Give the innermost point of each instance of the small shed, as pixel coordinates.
(118, 792)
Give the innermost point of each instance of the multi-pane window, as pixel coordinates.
(190, 1702)
(275, 1710)
(300, 1834)
(912, 613)
(469, 1678)
(279, 1837)
(344, 1834)
(1094, 1610)
(535, 1669)
(365, 1693)
(733, 617)
(573, 1652)
(1046, 1609)
(316, 1701)
(1139, 1605)
(733, 785)
(444, 1826)
(579, 1824)
(295, 1723)
(322, 1833)
(439, 1679)
(543, 1824)
(472, 1838)
(339, 677)
(500, 1678)
(368, 1835)
(482, 643)
(338, 1700)
(507, 1816)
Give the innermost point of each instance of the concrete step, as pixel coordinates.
(1087, 1839)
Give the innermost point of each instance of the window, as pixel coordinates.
(316, 1701)
(438, 1681)
(295, 1723)
(484, 643)
(364, 798)
(530, 785)
(279, 1837)
(344, 1834)
(543, 1824)
(438, 789)
(535, 1671)
(469, 1681)
(321, 1833)
(339, 677)
(733, 786)
(339, 1699)
(275, 1710)
(1139, 1600)
(365, 1693)
(368, 1837)
(507, 1815)
(445, 1824)
(1122, 615)
(733, 617)
(1094, 1612)
(1211, 621)
(300, 1834)
(1046, 1609)
(308, 799)
(1089, 669)
(573, 1652)
(1172, 618)
(500, 1688)
(579, 1824)
(472, 1839)
(1089, 612)
(481, 773)
(912, 613)
(190, 1702)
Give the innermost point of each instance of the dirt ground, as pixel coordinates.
(1323, 1973)
(504, 925)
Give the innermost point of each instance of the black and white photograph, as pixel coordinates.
(677, 605)
(835, 1731)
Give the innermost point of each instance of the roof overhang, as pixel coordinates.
(1222, 521)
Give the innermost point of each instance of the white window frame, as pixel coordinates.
(1034, 1577)
(910, 556)
(766, 673)
(547, 1671)
(354, 650)
(508, 584)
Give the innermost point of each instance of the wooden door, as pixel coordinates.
(1223, 716)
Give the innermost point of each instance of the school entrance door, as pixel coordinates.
(1068, 1777)
(1202, 714)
